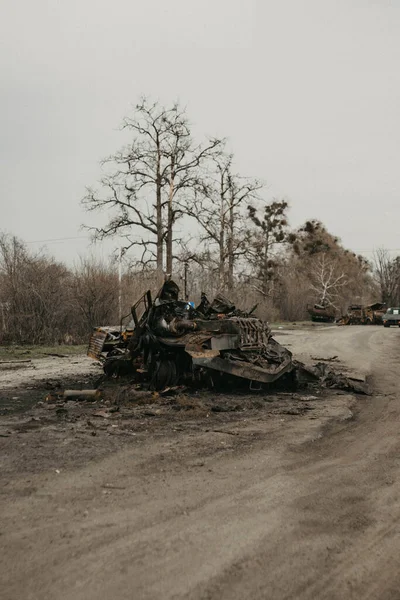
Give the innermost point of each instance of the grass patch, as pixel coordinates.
(26, 352)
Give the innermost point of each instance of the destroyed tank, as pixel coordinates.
(173, 342)
(321, 313)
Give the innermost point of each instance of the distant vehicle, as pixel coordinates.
(357, 314)
(373, 313)
(320, 313)
(391, 317)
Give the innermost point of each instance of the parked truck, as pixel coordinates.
(391, 317)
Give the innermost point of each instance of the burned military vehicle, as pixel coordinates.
(172, 342)
(321, 313)
(357, 314)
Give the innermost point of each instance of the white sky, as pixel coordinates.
(306, 90)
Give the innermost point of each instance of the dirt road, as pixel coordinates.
(266, 504)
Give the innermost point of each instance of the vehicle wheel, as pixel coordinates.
(386, 325)
(117, 366)
(164, 375)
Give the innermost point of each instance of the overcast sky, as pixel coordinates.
(307, 91)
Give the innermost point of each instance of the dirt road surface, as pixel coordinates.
(27, 373)
(272, 502)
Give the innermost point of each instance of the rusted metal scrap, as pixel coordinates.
(171, 342)
(321, 313)
(321, 374)
(357, 314)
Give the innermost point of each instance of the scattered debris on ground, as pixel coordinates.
(169, 344)
(204, 367)
(66, 412)
(323, 376)
(74, 395)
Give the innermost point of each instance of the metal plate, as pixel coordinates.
(96, 344)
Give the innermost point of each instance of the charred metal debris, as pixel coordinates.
(358, 314)
(169, 342)
(321, 374)
(320, 313)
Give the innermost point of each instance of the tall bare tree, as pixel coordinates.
(320, 257)
(387, 272)
(327, 279)
(218, 207)
(146, 181)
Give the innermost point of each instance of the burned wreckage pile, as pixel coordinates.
(170, 342)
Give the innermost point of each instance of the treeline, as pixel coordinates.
(42, 301)
(179, 203)
(307, 266)
(175, 201)
(179, 208)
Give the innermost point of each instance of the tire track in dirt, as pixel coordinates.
(292, 515)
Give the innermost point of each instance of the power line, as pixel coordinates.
(64, 239)
(69, 238)
(59, 239)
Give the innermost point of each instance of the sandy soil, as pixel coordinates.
(29, 373)
(280, 496)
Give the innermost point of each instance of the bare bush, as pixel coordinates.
(387, 276)
(32, 288)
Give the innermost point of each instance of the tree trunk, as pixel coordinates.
(221, 244)
(265, 280)
(160, 238)
(170, 219)
(231, 258)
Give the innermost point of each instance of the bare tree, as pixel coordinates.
(387, 272)
(145, 188)
(94, 295)
(327, 279)
(217, 206)
(32, 290)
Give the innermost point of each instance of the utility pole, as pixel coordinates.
(186, 266)
(120, 284)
